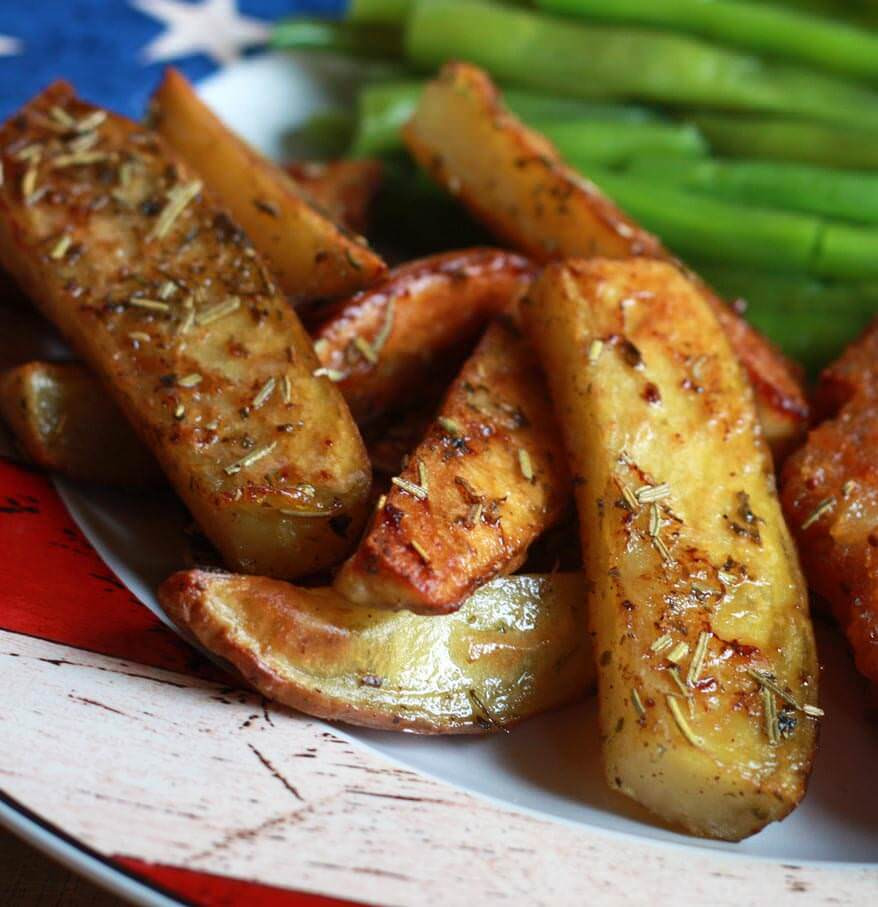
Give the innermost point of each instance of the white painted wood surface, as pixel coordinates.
(168, 768)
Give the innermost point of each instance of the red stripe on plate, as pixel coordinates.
(210, 890)
(53, 584)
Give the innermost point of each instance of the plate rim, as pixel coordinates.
(77, 856)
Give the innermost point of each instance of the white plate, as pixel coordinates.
(550, 765)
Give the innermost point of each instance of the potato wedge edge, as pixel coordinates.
(518, 647)
(706, 659)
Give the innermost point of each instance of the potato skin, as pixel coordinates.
(829, 489)
(65, 421)
(186, 365)
(482, 512)
(514, 180)
(413, 320)
(652, 401)
(518, 647)
(311, 256)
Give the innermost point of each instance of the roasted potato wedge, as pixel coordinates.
(64, 420)
(385, 342)
(707, 671)
(512, 179)
(516, 648)
(161, 294)
(830, 496)
(343, 189)
(311, 256)
(486, 480)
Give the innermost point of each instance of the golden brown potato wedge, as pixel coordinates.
(707, 670)
(343, 189)
(161, 294)
(385, 342)
(64, 420)
(516, 648)
(487, 479)
(514, 180)
(830, 497)
(311, 256)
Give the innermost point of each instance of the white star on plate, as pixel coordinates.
(9, 47)
(211, 27)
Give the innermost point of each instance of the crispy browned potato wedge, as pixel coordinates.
(514, 180)
(707, 670)
(383, 344)
(516, 648)
(161, 294)
(65, 421)
(343, 189)
(311, 256)
(487, 479)
(830, 496)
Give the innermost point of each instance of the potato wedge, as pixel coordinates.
(514, 180)
(486, 480)
(385, 342)
(311, 256)
(64, 420)
(707, 669)
(163, 297)
(344, 190)
(829, 491)
(516, 648)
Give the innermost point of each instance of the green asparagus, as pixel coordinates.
(373, 42)
(840, 194)
(551, 54)
(614, 143)
(390, 13)
(777, 138)
(811, 321)
(696, 226)
(759, 27)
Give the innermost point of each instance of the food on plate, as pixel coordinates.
(383, 344)
(345, 190)
(785, 33)
(589, 60)
(487, 479)
(459, 590)
(516, 648)
(513, 179)
(830, 496)
(707, 669)
(383, 347)
(311, 256)
(118, 243)
(64, 421)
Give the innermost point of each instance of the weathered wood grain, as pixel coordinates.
(174, 769)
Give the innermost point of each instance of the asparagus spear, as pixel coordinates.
(696, 226)
(760, 27)
(811, 321)
(841, 194)
(389, 13)
(789, 139)
(550, 54)
(613, 144)
(349, 38)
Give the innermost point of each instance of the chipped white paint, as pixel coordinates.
(169, 768)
